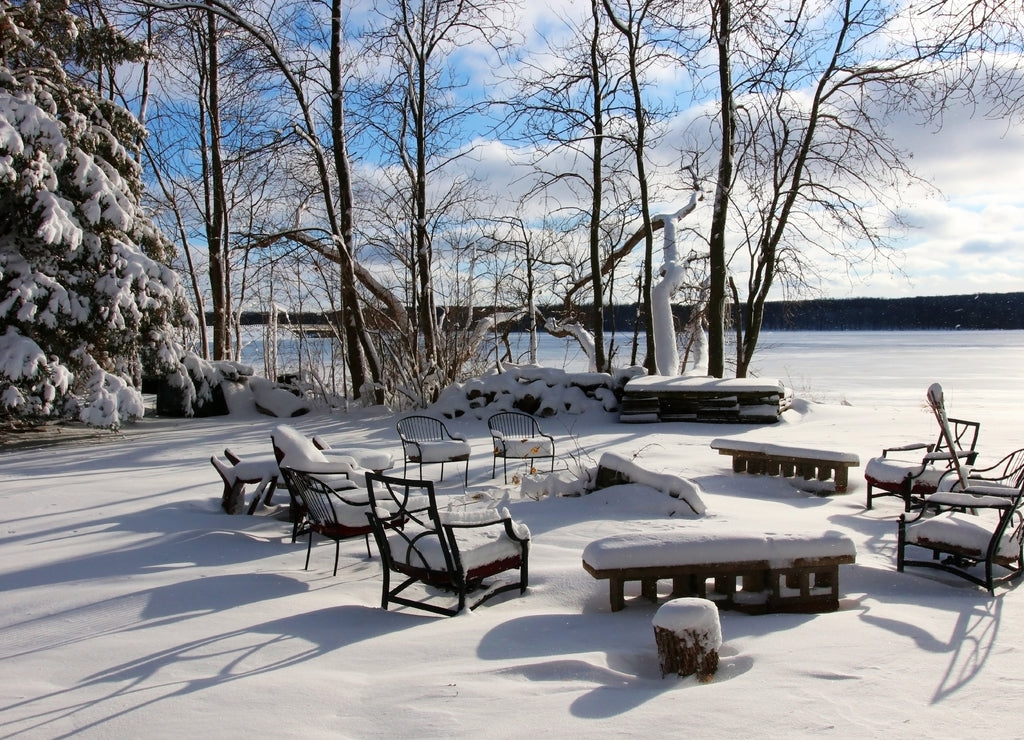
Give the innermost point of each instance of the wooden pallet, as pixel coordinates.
(657, 398)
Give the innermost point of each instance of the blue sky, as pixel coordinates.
(965, 236)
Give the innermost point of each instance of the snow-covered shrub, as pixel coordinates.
(540, 391)
(84, 296)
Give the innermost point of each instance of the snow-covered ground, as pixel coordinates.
(132, 606)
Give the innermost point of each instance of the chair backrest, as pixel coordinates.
(294, 450)
(963, 433)
(938, 405)
(513, 424)
(1009, 471)
(407, 510)
(313, 495)
(422, 429)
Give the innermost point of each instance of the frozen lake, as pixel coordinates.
(868, 368)
(864, 368)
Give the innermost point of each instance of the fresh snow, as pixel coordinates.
(133, 606)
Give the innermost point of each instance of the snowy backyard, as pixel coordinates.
(134, 606)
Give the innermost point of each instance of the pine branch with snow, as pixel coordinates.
(87, 305)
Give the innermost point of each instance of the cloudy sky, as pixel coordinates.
(965, 236)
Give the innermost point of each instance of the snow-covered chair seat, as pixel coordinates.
(376, 460)
(912, 471)
(973, 529)
(426, 440)
(450, 551)
(754, 572)
(517, 436)
(236, 474)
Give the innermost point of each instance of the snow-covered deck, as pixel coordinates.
(683, 398)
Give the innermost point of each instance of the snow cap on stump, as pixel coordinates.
(688, 634)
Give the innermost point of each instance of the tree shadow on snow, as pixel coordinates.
(250, 650)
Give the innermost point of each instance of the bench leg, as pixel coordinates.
(843, 481)
(616, 587)
(649, 589)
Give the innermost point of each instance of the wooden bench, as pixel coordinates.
(758, 458)
(749, 572)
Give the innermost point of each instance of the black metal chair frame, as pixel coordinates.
(416, 431)
(999, 489)
(413, 503)
(964, 435)
(516, 426)
(317, 501)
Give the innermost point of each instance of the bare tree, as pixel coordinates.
(417, 102)
(807, 169)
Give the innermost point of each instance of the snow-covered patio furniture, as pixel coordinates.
(760, 458)
(327, 512)
(426, 440)
(451, 551)
(651, 398)
(974, 522)
(236, 474)
(751, 572)
(376, 460)
(293, 450)
(972, 529)
(517, 436)
(912, 471)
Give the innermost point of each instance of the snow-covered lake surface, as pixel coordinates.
(858, 367)
(132, 606)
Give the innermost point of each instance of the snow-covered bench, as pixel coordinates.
(753, 572)
(759, 458)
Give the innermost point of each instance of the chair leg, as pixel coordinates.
(337, 548)
(309, 549)
(367, 538)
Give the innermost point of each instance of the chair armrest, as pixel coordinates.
(471, 518)
(908, 447)
(231, 456)
(969, 499)
(517, 531)
(363, 500)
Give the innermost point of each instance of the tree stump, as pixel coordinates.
(688, 635)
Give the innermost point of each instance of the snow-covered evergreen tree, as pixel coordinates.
(85, 303)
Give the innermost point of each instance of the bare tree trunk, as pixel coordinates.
(600, 361)
(362, 357)
(630, 30)
(723, 188)
(216, 206)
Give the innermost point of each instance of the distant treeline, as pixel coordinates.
(974, 311)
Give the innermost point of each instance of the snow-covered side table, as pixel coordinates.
(688, 635)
